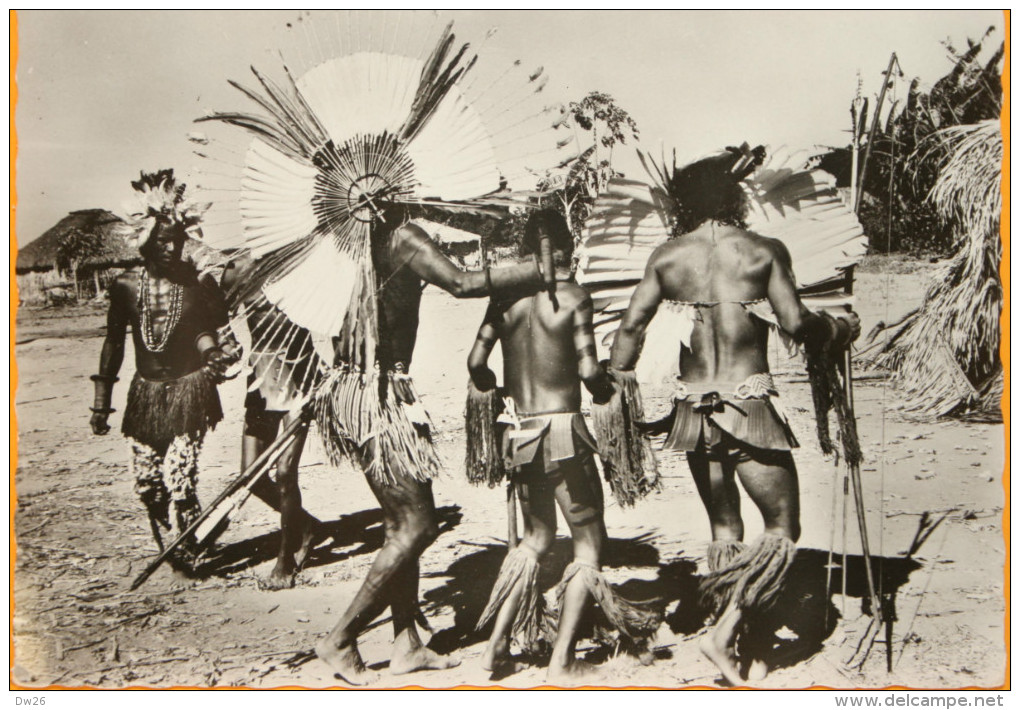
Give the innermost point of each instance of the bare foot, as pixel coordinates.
(421, 659)
(577, 672)
(313, 535)
(721, 658)
(496, 653)
(345, 663)
(758, 670)
(279, 578)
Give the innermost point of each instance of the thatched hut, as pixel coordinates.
(946, 356)
(77, 255)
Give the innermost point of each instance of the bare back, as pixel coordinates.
(540, 362)
(723, 268)
(721, 271)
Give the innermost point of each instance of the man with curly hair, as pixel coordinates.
(726, 287)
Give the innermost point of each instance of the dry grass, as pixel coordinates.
(946, 357)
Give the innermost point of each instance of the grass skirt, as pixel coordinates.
(354, 409)
(158, 412)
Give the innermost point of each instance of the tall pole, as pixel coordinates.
(874, 129)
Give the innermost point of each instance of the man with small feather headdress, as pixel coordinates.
(174, 316)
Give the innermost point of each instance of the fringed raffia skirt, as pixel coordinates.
(362, 414)
(159, 411)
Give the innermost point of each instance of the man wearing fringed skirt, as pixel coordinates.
(715, 278)
(548, 351)
(383, 426)
(172, 402)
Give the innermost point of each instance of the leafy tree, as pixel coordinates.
(600, 124)
(76, 247)
(903, 165)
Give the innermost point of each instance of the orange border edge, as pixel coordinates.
(14, 319)
(1004, 326)
(1004, 271)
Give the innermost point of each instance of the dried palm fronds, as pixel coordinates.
(946, 357)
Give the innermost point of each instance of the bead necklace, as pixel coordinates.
(173, 315)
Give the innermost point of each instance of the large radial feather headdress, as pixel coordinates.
(389, 119)
(788, 199)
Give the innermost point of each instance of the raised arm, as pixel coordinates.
(482, 375)
(112, 355)
(643, 305)
(413, 247)
(591, 372)
(813, 329)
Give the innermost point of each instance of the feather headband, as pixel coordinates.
(159, 197)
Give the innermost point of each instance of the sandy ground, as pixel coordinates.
(82, 537)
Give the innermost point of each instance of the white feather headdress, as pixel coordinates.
(377, 124)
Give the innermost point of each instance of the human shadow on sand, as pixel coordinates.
(348, 536)
(470, 578)
(805, 614)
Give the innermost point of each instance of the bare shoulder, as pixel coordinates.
(666, 253)
(409, 232)
(771, 247)
(125, 284)
(209, 287)
(573, 296)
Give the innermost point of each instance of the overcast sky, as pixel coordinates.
(104, 94)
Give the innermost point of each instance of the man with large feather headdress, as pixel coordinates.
(336, 160)
(174, 317)
(714, 289)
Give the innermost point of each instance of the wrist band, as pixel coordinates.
(488, 279)
(102, 410)
(105, 378)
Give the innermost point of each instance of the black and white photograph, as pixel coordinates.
(509, 349)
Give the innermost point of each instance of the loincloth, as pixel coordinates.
(548, 438)
(707, 414)
(361, 415)
(159, 411)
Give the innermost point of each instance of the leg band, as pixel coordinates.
(638, 622)
(753, 578)
(519, 567)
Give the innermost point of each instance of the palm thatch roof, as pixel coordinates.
(946, 356)
(44, 253)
